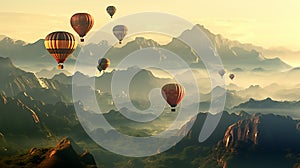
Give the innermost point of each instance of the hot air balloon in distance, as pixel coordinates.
(221, 72)
(231, 76)
(173, 93)
(60, 45)
(111, 10)
(103, 63)
(120, 31)
(82, 23)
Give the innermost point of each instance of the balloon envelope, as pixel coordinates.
(82, 23)
(231, 76)
(221, 72)
(103, 63)
(60, 45)
(120, 31)
(173, 93)
(111, 10)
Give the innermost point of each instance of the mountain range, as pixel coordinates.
(35, 57)
(238, 139)
(38, 111)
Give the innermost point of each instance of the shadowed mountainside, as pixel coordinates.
(63, 155)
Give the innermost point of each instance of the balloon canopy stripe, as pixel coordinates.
(60, 45)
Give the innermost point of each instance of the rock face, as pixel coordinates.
(61, 156)
(244, 130)
(192, 134)
(265, 130)
(14, 80)
(260, 141)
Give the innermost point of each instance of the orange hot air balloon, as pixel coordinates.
(60, 45)
(103, 63)
(111, 10)
(82, 23)
(231, 76)
(173, 94)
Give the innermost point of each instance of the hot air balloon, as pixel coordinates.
(82, 23)
(60, 45)
(221, 72)
(103, 63)
(173, 94)
(120, 31)
(111, 10)
(231, 76)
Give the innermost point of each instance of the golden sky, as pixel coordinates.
(261, 22)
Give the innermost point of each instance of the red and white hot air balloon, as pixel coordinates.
(82, 23)
(173, 93)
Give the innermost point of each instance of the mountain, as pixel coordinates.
(253, 91)
(260, 141)
(63, 155)
(59, 120)
(193, 134)
(252, 141)
(14, 80)
(268, 103)
(17, 82)
(268, 106)
(296, 69)
(284, 53)
(8, 45)
(237, 70)
(259, 69)
(2, 37)
(45, 73)
(233, 87)
(31, 56)
(233, 54)
(232, 98)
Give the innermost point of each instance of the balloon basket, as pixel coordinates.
(173, 109)
(60, 66)
(81, 40)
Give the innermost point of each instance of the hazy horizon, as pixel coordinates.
(269, 25)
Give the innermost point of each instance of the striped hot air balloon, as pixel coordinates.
(173, 93)
(82, 23)
(60, 45)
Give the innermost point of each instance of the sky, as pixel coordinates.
(265, 23)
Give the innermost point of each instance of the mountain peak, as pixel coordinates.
(268, 99)
(7, 41)
(63, 155)
(141, 42)
(60, 75)
(243, 114)
(2, 37)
